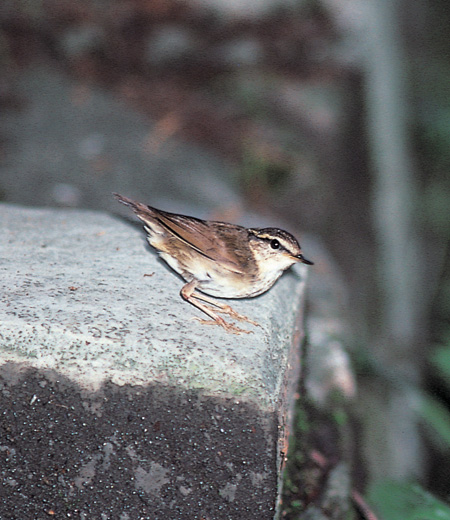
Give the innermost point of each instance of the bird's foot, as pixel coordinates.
(229, 327)
(226, 309)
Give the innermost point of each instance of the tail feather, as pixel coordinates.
(137, 207)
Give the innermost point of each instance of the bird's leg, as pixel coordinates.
(187, 293)
(226, 309)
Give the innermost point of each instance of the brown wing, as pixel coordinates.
(205, 237)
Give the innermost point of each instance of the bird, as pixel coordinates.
(218, 259)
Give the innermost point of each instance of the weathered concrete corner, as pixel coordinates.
(142, 412)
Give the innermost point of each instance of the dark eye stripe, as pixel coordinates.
(272, 238)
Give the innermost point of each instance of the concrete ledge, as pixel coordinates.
(116, 403)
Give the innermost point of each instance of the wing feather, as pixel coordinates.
(217, 241)
(199, 235)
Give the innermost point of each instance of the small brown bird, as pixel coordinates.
(218, 259)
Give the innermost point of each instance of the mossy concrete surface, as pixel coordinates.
(116, 403)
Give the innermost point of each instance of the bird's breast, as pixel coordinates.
(216, 280)
(234, 285)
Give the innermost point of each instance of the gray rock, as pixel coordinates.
(142, 409)
(77, 299)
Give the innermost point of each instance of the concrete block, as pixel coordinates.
(115, 402)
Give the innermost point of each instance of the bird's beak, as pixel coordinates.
(304, 260)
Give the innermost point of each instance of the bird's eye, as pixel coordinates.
(274, 244)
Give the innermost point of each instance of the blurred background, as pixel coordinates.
(332, 115)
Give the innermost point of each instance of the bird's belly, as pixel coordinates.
(220, 282)
(235, 286)
(222, 288)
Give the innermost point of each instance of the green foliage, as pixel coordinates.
(436, 414)
(436, 203)
(404, 501)
(441, 360)
(437, 419)
(340, 416)
(443, 301)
